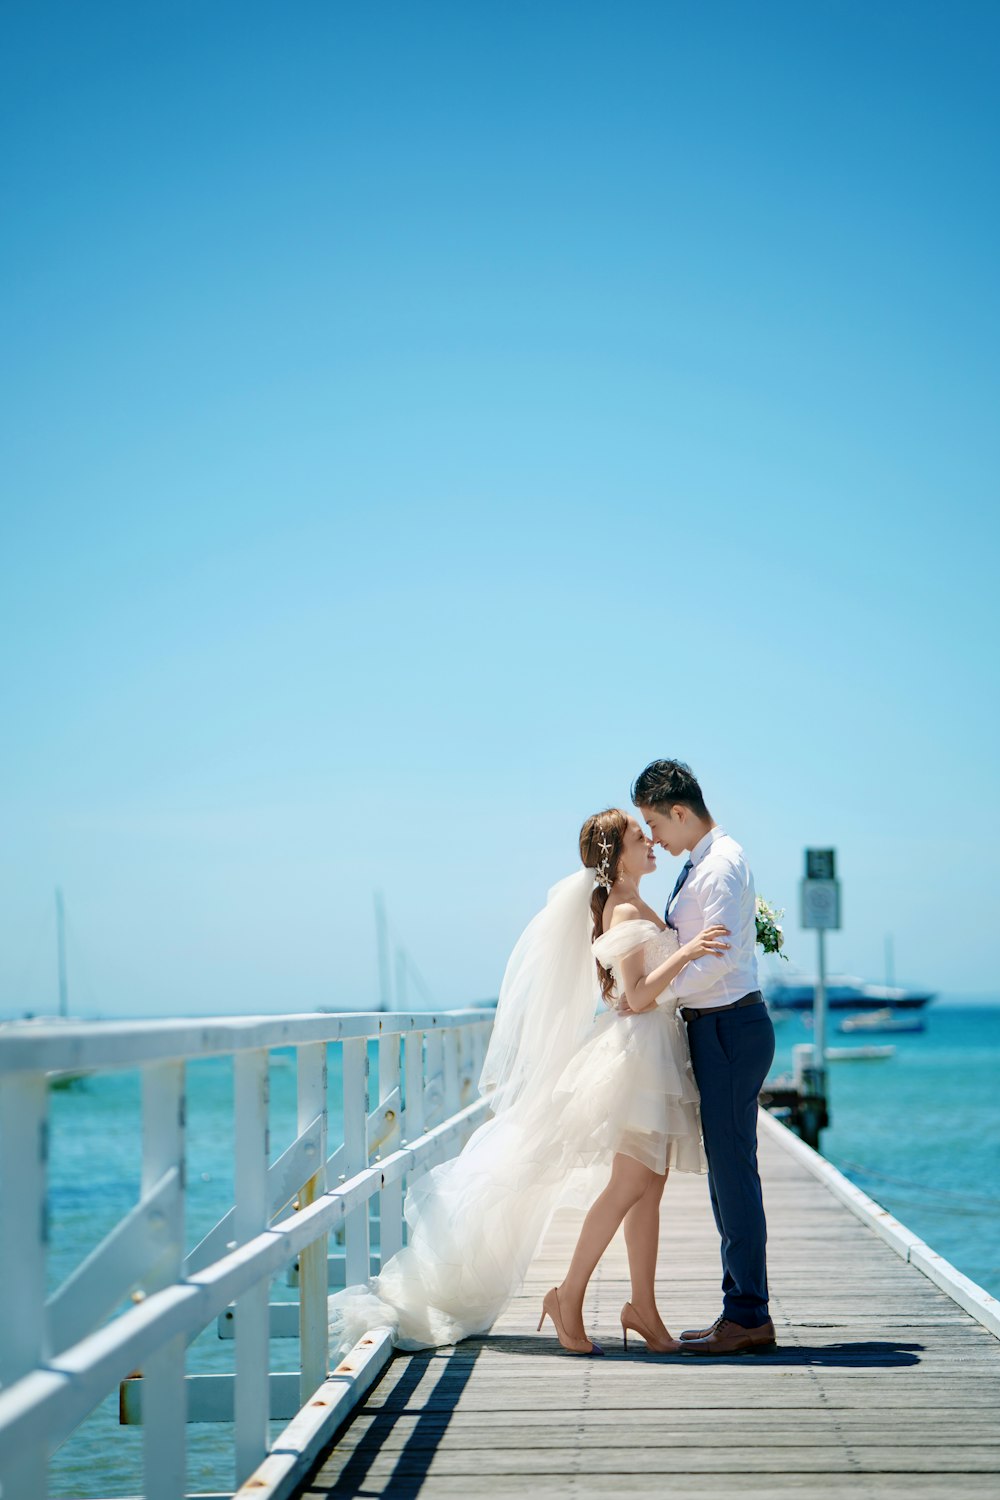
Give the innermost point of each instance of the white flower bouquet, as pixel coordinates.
(770, 933)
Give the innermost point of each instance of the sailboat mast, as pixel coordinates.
(400, 979)
(61, 940)
(382, 947)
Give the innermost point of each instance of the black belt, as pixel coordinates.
(692, 1013)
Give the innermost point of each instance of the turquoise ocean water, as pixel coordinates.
(919, 1132)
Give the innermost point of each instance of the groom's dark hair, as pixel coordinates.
(665, 783)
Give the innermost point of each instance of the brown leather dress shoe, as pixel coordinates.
(701, 1333)
(732, 1338)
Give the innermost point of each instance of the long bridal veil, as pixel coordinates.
(547, 998)
(475, 1222)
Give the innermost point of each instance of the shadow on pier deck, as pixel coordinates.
(882, 1384)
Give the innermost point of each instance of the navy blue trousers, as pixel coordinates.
(731, 1053)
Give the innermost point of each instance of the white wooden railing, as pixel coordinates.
(61, 1355)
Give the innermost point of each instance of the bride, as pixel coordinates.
(570, 1097)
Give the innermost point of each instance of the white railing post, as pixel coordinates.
(413, 1061)
(482, 1034)
(391, 1196)
(434, 1078)
(413, 1116)
(164, 1401)
(451, 1072)
(314, 1342)
(250, 1218)
(474, 1057)
(23, 1245)
(466, 1045)
(356, 1249)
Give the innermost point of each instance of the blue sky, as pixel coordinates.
(418, 416)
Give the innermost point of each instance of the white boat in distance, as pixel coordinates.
(844, 992)
(883, 1019)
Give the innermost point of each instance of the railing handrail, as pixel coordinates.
(34, 1047)
(44, 1401)
(59, 1359)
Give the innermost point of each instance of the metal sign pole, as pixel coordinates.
(820, 892)
(819, 1017)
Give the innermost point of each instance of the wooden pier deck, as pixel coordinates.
(882, 1385)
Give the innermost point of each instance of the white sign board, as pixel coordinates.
(820, 904)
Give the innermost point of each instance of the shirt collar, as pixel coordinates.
(703, 845)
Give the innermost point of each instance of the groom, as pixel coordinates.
(731, 1037)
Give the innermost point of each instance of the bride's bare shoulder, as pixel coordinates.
(617, 912)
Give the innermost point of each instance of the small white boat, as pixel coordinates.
(882, 1019)
(859, 1054)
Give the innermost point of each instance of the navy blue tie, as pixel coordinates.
(680, 881)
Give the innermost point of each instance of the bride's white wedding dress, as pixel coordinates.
(567, 1091)
(630, 1087)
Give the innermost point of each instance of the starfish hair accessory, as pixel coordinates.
(604, 868)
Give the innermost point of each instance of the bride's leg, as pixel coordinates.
(642, 1238)
(629, 1181)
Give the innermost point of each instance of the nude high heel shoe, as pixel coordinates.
(550, 1307)
(631, 1320)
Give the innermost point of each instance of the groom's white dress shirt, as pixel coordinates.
(719, 889)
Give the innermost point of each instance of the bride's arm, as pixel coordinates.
(641, 989)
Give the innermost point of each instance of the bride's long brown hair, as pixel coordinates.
(610, 827)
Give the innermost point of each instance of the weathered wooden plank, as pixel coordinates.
(705, 1487)
(673, 1446)
(705, 1458)
(660, 1423)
